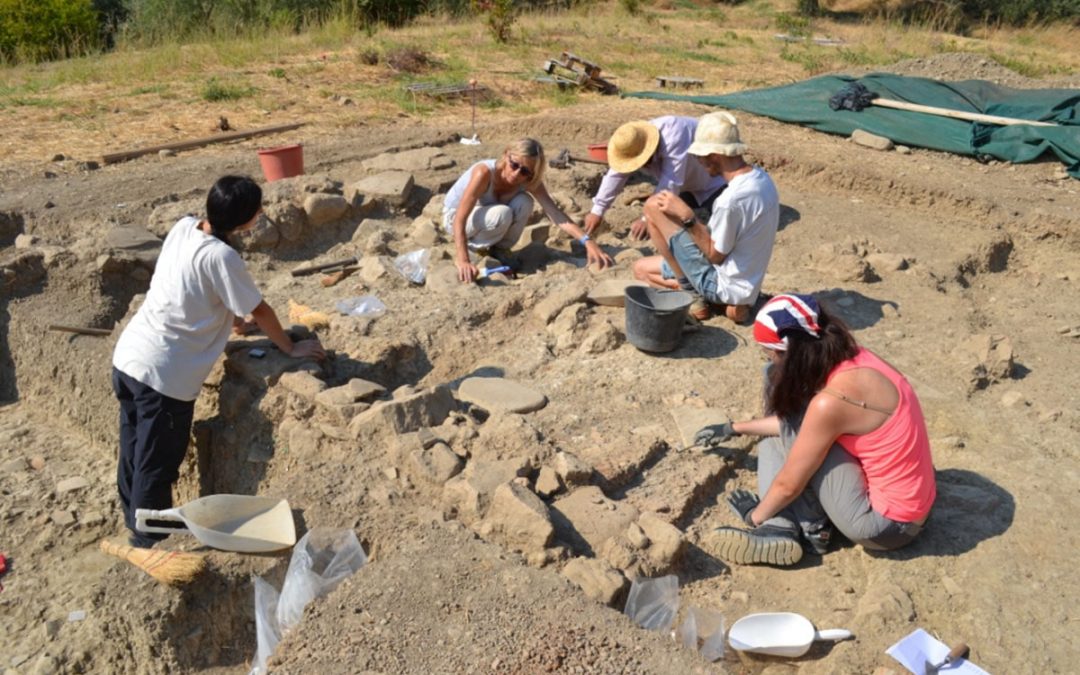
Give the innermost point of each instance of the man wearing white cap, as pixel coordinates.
(724, 262)
(657, 148)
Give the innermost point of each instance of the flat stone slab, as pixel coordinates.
(392, 186)
(612, 292)
(688, 420)
(496, 393)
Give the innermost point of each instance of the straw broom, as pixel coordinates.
(169, 567)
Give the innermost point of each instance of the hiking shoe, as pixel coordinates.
(506, 257)
(763, 545)
(699, 308)
(817, 537)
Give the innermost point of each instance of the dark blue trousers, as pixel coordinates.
(154, 432)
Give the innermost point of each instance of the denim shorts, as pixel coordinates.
(697, 268)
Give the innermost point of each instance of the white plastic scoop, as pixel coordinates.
(779, 634)
(241, 523)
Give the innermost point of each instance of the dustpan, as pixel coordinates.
(779, 634)
(241, 523)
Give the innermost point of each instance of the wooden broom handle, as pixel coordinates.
(958, 114)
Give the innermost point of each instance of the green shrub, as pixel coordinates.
(1020, 12)
(216, 90)
(500, 17)
(38, 30)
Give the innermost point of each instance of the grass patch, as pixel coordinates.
(215, 90)
(33, 102)
(812, 60)
(1026, 67)
(149, 89)
(276, 72)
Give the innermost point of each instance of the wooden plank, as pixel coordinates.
(125, 155)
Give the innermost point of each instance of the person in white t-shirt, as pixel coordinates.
(724, 262)
(201, 292)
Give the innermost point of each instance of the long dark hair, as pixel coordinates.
(232, 202)
(801, 373)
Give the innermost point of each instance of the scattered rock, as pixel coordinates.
(427, 408)
(469, 493)
(1011, 399)
(887, 262)
(844, 262)
(425, 232)
(496, 393)
(166, 153)
(264, 236)
(26, 241)
(601, 336)
(987, 358)
(37, 462)
(869, 140)
(886, 605)
(72, 484)
(598, 580)
(62, 518)
(419, 159)
(547, 482)
(667, 542)
(903, 149)
(571, 469)
(14, 465)
(289, 219)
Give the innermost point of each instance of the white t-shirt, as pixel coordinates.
(199, 285)
(743, 227)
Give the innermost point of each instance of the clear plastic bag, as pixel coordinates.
(703, 630)
(413, 265)
(364, 305)
(321, 560)
(653, 603)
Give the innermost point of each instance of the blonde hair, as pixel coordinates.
(526, 147)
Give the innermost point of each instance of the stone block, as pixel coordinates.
(496, 393)
(264, 236)
(418, 159)
(323, 208)
(586, 518)
(425, 233)
(435, 464)
(392, 187)
(424, 409)
(987, 359)
(571, 469)
(518, 520)
(303, 384)
(556, 301)
(666, 542)
(289, 219)
(29, 241)
(688, 420)
(601, 336)
(612, 292)
(470, 492)
(597, 580)
(547, 483)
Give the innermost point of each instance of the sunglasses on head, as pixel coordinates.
(519, 167)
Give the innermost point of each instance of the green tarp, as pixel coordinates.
(807, 103)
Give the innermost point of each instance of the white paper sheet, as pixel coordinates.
(916, 649)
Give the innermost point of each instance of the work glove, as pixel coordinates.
(743, 503)
(714, 434)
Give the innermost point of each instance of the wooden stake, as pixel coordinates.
(125, 155)
(957, 114)
(81, 330)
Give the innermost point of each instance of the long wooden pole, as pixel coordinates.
(957, 114)
(114, 157)
(81, 330)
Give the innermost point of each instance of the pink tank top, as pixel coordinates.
(896, 455)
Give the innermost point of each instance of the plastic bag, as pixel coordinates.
(364, 305)
(321, 560)
(703, 630)
(413, 265)
(653, 603)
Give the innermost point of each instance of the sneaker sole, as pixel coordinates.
(744, 548)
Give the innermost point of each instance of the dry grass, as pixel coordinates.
(87, 107)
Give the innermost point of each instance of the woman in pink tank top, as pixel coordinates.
(845, 445)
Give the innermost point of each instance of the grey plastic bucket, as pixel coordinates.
(655, 317)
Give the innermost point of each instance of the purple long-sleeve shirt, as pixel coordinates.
(671, 166)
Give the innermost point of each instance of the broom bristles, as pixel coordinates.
(169, 567)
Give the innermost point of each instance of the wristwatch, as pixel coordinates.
(689, 222)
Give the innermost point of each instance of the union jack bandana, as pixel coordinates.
(785, 313)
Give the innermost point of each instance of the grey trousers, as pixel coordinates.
(836, 492)
(496, 225)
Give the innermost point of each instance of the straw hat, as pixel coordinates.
(632, 145)
(717, 134)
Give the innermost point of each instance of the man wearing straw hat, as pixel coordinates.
(722, 263)
(657, 148)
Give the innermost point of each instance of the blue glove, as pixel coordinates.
(743, 503)
(714, 434)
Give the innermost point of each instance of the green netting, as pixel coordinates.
(807, 103)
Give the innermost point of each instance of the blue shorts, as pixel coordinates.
(698, 270)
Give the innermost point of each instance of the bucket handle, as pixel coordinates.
(172, 515)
